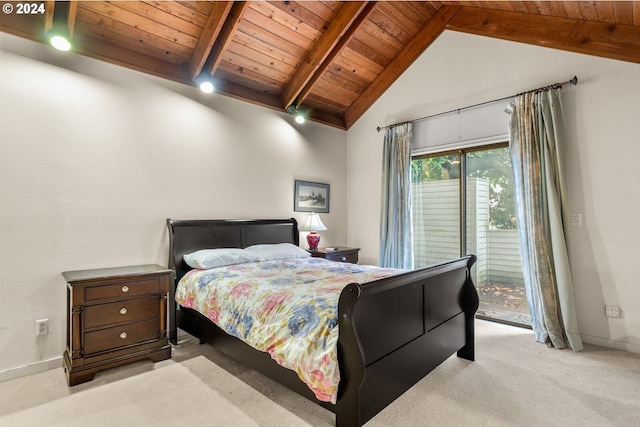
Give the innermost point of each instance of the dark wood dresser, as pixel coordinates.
(338, 253)
(115, 316)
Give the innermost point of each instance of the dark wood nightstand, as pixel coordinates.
(338, 253)
(115, 316)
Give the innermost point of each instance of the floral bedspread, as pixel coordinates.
(288, 308)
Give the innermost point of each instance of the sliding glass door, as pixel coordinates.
(463, 203)
(436, 213)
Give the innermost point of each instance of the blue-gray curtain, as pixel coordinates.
(537, 138)
(396, 230)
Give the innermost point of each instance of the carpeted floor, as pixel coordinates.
(513, 382)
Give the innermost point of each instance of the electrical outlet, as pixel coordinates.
(576, 219)
(42, 327)
(612, 311)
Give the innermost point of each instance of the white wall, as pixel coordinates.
(94, 158)
(603, 120)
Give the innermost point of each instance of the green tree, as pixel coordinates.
(493, 165)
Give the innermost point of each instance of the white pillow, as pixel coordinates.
(212, 258)
(277, 251)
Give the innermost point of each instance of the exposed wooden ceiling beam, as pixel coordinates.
(614, 41)
(226, 35)
(71, 17)
(71, 13)
(400, 63)
(50, 6)
(344, 40)
(324, 46)
(210, 33)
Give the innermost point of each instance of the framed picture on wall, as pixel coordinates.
(311, 197)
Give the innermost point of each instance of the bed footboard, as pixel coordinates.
(394, 331)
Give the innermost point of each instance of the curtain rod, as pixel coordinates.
(573, 82)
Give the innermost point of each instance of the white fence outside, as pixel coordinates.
(436, 219)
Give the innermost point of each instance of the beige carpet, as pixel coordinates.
(513, 382)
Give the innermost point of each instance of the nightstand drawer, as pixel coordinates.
(122, 290)
(351, 257)
(337, 254)
(119, 336)
(114, 313)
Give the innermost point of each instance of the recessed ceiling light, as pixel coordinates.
(60, 43)
(206, 87)
(59, 36)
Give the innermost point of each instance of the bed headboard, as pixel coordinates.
(187, 236)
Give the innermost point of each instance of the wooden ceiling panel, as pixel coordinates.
(134, 59)
(316, 17)
(264, 22)
(390, 27)
(387, 50)
(201, 7)
(346, 75)
(418, 12)
(330, 58)
(383, 38)
(320, 102)
(372, 56)
(338, 94)
(196, 13)
(345, 83)
(589, 10)
(89, 22)
(242, 63)
(552, 8)
(271, 50)
(363, 64)
(393, 12)
(623, 12)
(348, 63)
(120, 12)
(248, 78)
(270, 38)
(327, 10)
(268, 58)
(284, 18)
(163, 17)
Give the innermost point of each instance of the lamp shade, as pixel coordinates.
(313, 223)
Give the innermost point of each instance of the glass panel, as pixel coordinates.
(436, 209)
(493, 237)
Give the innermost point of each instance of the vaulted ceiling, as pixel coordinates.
(330, 59)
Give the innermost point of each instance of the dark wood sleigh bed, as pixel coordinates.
(392, 331)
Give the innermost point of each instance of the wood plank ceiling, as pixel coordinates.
(330, 59)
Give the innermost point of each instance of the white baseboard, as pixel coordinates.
(45, 365)
(604, 342)
(34, 368)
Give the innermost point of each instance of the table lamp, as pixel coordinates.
(312, 225)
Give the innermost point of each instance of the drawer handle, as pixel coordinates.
(123, 335)
(123, 310)
(125, 289)
(344, 258)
